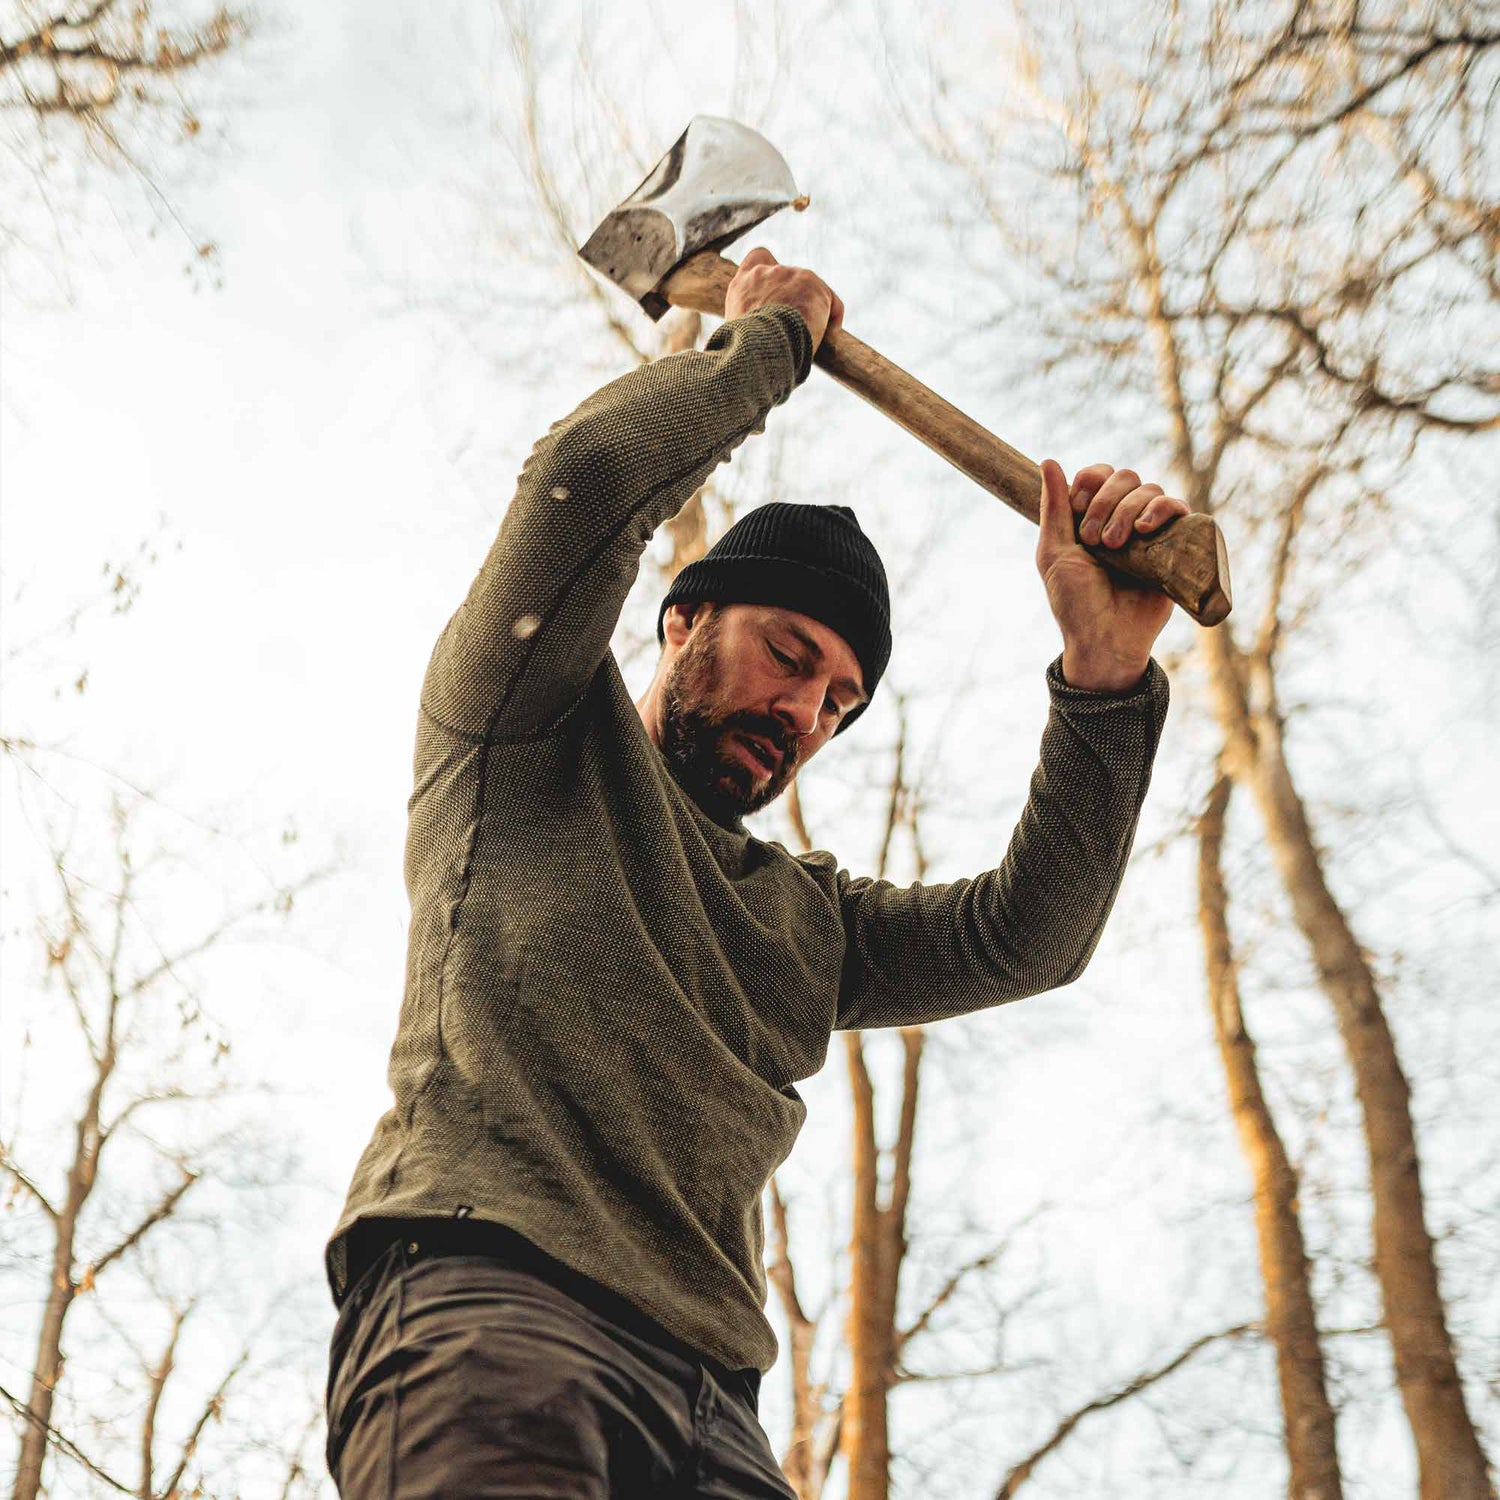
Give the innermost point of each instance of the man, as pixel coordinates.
(549, 1267)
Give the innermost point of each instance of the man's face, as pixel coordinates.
(752, 695)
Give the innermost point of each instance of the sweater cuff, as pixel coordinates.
(1150, 692)
(794, 329)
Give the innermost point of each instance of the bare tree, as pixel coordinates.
(150, 1124)
(1291, 1316)
(1275, 221)
(99, 83)
(130, 1152)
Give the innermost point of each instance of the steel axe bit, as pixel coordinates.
(720, 179)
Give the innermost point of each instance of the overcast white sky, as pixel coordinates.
(329, 438)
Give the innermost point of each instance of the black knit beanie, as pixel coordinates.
(810, 558)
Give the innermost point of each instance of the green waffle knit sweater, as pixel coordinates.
(610, 999)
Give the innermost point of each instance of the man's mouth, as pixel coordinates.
(761, 752)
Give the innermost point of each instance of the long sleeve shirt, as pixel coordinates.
(610, 998)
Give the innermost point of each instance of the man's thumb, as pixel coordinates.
(1056, 512)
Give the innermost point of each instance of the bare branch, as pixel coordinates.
(901, 1153)
(63, 1444)
(213, 1409)
(779, 1268)
(947, 1292)
(1270, 627)
(281, 902)
(9, 1164)
(295, 1469)
(155, 1216)
(172, 1095)
(156, 1384)
(92, 56)
(545, 189)
(796, 818)
(1023, 1471)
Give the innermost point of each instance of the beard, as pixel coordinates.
(696, 734)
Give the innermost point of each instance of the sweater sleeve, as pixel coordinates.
(537, 620)
(927, 952)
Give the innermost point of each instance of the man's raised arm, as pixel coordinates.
(926, 952)
(537, 621)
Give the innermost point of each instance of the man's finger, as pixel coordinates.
(1159, 511)
(1086, 481)
(759, 256)
(1102, 506)
(1118, 526)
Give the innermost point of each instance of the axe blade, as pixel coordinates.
(719, 180)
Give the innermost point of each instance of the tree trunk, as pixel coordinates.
(1450, 1460)
(46, 1373)
(88, 1141)
(876, 1253)
(866, 1438)
(1291, 1321)
(688, 529)
(878, 1240)
(798, 1459)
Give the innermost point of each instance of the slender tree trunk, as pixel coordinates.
(877, 1250)
(798, 1460)
(688, 529)
(1291, 1321)
(156, 1388)
(878, 1240)
(866, 1437)
(1451, 1462)
(62, 1288)
(46, 1373)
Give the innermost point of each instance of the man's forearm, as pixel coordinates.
(926, 952)
(539, 616)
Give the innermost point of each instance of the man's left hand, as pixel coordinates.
(1108, 623)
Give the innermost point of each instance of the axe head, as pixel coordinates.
(719, 180)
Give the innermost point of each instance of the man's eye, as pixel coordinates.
(782, 657)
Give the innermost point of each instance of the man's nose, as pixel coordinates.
(797, 708)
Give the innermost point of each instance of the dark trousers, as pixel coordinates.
(472, 1375)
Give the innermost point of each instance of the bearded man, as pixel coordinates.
(549, 1266)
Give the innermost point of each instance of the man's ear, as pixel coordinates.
(680, 619)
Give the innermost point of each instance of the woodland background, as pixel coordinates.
(285, 297)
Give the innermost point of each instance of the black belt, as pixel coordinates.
(369, 1239)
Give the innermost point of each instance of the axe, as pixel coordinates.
(720, 179)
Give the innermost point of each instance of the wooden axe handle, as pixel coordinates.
(1185, 558)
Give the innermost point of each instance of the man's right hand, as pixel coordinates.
(761, 279)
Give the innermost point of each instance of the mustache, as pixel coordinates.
(746, 721)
